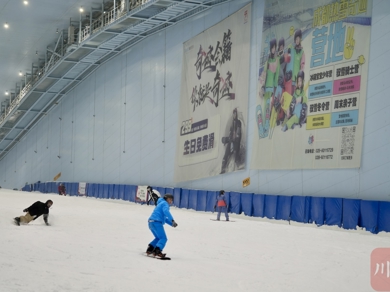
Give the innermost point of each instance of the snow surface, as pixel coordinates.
(97, 245)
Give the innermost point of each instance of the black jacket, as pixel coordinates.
(37, 209)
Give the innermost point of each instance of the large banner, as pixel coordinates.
(211, 138)
(312, 84)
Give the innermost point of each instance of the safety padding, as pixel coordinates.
(227, 199)
(369, 213)
(121, 192)
(270, 206)
(176, 197)
(90, 190)
(333, 211)
(283, 210)
(132, 191)
(111, 191)
(235, 202)
(185, 193)
(317, 210)
(247, 204)
(74, 189)
(384, 217)
(351, 210)
(192, 199)
(258, 205)
(115, 192)
(201, 202)
(211, 200)
(300, 208)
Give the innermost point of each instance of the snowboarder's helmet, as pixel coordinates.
(221, 192)
(49, 203)
(168, 196)
(298, 33)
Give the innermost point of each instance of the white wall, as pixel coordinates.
(134, 143)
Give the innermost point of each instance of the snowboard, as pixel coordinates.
(161, 259)
(222, 220)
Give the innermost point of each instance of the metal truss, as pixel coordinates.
(70, 63)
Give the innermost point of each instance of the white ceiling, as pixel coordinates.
(31, 29)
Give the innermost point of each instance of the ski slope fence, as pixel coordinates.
(373, 216)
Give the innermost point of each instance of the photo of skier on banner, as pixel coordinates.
(234, 148)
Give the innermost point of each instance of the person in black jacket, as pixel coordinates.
(34, 211)
(153, 195)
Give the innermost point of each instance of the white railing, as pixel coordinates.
(107, 18)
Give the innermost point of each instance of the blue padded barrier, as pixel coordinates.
(270, 206)
(90, 190)
(384, 217)
(351, 210)
(235, 202)
(75, 189)
(211, 200)
(176, 197)
(247, 203)
(53, 188)
(201, 201)
(192, 199)
(132, 192)
(160, 190)
(121, 192)
(369, 211)
(333, 211)
(115, 192)
(126, 193)
(298, 209)
(105, 191)
(317, 210)
(111, 191)
(258, 205)
(283, 209)
(184, 198)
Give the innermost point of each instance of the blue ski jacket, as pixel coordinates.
(161, 213)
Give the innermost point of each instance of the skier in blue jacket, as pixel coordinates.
(159, 217)
(222, 205)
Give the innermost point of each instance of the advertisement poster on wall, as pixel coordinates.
(211, 137)
(312, 84)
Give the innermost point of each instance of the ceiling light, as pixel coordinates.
(25, 2)
(20, 73)
(81, 9)
(36, 52)
(6, 93)
(6, 25)
(57, 30)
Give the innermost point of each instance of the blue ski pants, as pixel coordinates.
(221, 209)
(160, 238)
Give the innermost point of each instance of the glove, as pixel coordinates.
(174, 224)
(47, 224)
(25, 210)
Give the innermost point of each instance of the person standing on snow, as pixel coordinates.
(221, 204)
(153, 195)
(159, 217)
(61, 189)
(34, 211)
